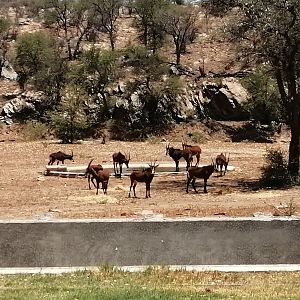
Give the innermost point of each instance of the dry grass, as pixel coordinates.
(24, 193)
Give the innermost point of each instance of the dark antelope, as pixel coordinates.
(199, 172)
(100, 176)
(221, 161)
(194, 150)
(59, 156)
(177, 154)
(146, 175)
(90, 174)
(120, 159)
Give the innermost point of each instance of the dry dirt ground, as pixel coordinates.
(26, 194)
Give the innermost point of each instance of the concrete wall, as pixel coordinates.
(171, 242)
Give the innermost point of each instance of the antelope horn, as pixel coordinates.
(90, 163)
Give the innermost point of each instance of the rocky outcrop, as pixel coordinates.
(222, 101)
(21, 105)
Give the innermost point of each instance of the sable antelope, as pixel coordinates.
(177, 154)
(200, 172)
(59, 156)
(120, 159)
(100, 176)
(89, 173)
(195, 151)
(146, 175)
(221, 161)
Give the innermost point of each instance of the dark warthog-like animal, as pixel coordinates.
(89, 173)
(221, 161)
(59, 156)
(120, 159)
(100, 176)
(199, 172)
(177, 154)
(195, 151)
(146, 175)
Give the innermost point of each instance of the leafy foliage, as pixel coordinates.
(269, 32)
(69, 119)
(34, 131)
(275, 172)
(33, 53)
(219, 7)
(94, 72)
(264, 104)
(4, 26)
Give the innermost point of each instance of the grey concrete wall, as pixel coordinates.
(189, 242)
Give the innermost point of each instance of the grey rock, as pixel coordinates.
(8, 72)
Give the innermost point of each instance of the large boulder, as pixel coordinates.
(224, 101)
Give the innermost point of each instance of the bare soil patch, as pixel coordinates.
(26, 194)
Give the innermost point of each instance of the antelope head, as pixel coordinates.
(127, 159)
(153, 165)
(167, 148)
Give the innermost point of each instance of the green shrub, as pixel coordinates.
(198, 137)
(264, 104)
(69, 120)
(275, 171)
(33, 131)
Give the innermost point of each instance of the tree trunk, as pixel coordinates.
(178, 53)
(294, 148)
(112, 40)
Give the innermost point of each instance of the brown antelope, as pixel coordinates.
(146, 175)
(100, 176)
(177, 154)
(120, 159)
(199, 172)
(221, 161)
(59, 156)
(195, 151)
(89, 173)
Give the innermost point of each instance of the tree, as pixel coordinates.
(180, 23)
(4, 26)
(96, 70)
(72, 19)
(270, 32)
(107, 15)
(33, 53)
(219, 7)
(147, 21)
(264, 103)
(69, 119)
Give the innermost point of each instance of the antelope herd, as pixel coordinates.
(96, 174)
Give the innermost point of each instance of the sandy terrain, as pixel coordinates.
(26, 194)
